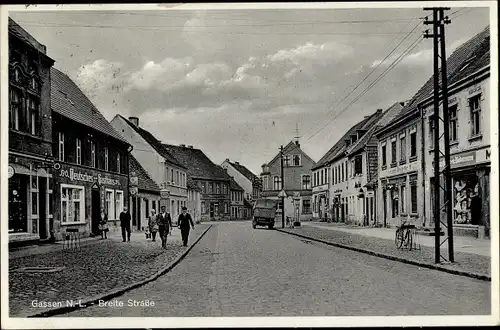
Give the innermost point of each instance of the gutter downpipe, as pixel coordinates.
(422, 131)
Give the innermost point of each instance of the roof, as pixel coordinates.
(154, 143)
(475, 49)
(247, 203)
(16, 30)
(191, 185)
(289, 147)
(144, 180)
(244, 171)
(339, 147)
(380, 120)
(199, 166)
(69, 101)
(233, 185)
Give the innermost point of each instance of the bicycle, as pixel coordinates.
(404, 236)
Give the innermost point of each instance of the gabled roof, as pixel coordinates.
(289, 147)
(233, 185)
(16, 30)
(477, 46)
(69, 101)
(244, 171)
(199, 166)
(340, 147)
(381, 120)
(144, 180)
(153, 142)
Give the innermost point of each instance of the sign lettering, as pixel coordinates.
(73, 175)
(474, 90)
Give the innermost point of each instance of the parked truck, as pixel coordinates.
(264, 212)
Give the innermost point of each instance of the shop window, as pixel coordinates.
(467, 200)
(306, 206)
(402, 149)
(106, 159)
(453, 123)
(413, 145)
(33, 114)
(216, 208)
(475, 114)
(384, 155)
(119, 203)
(306, 182)
(277, 183)
(402, 197)
(72, 204)
(395, 204)
(15, 107)
(61, 146)
(203, 209)
(78, 151)
(110, 203)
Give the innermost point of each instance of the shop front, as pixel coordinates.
(81, 193)
(29, 199)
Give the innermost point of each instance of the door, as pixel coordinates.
(96, 210)
(139, 212)
(211, 210)
(42, 204)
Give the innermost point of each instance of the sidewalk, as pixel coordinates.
(461, 244)
(97, 268)
(471, 258)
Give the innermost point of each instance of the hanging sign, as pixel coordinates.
(11, 172)
(165, 194)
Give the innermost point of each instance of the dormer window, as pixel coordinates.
(296, 160)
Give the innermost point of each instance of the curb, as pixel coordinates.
(118, 292)
(394, 258)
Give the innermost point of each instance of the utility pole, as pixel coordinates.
(438, 34)
(283, 189)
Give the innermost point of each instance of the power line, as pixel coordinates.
(369, 87)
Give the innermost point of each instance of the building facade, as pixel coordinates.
(245, 178)
(30, 186)
(470, 136)
(237, 198)
(91, 161)
(210, 178)
(297, 176)
(144, 195)
(194, 200)
(167, 172)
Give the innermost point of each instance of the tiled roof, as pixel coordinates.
(22, 34)
(290, 146)
(198, 164)
(380, 120)
(144, 180)
(154, 143)
(233, 185)
(339, 147)
(477, 46)
(244, 171)
(247, 203)
(69, 101)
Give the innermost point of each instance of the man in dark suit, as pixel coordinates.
(185, 223)
(164, 226)
(125, 223)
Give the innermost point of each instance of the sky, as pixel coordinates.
(238, 83)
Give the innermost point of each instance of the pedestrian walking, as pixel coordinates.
(185, 222)
(164, 226)
(125, 223)
(103, 225)
(153, 224)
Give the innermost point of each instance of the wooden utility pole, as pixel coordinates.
(282, 189)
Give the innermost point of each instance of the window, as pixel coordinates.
(402, 198)
(475, 114)
(178, 207)
(286, 161)
(72, 204)
(15, 108)
(342, 178)
(225, 208)
(402, 149)
(453, 123)
(413, 193)
(34, 84)
(358, 165)
(306, 206)
(34, 195)
(296, 160)
(119, 203)
(277, 183)
(78, 151)
(110, 203)
(172, 176)
(61, 146)
(393, 152)
(306, 182)
(384, 155)
(106, 164)
(118, 163)
(203, 188)
(217, 188)
(177, 181)
(33, 115)
(413, 144)
(216, 208)
(92, 153)
(211, 188)
(432, 132)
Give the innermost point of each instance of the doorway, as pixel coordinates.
(384, 198)
(212, 210)
(96, 210)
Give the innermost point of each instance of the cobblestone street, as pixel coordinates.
(96, 269)
(238, 271)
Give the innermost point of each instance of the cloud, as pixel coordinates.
(98, 75)
(320, 53)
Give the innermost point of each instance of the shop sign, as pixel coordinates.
(458, 160)
(165, 194)
(73, 175)
(411, 167)
(11, 172)
(483, 156)
(134, 191)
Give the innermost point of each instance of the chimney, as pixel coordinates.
(227, 160)
(190, 147)
(237, 163)
(379, 110)
(134, 120)
(297, 144)
(182, 145)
